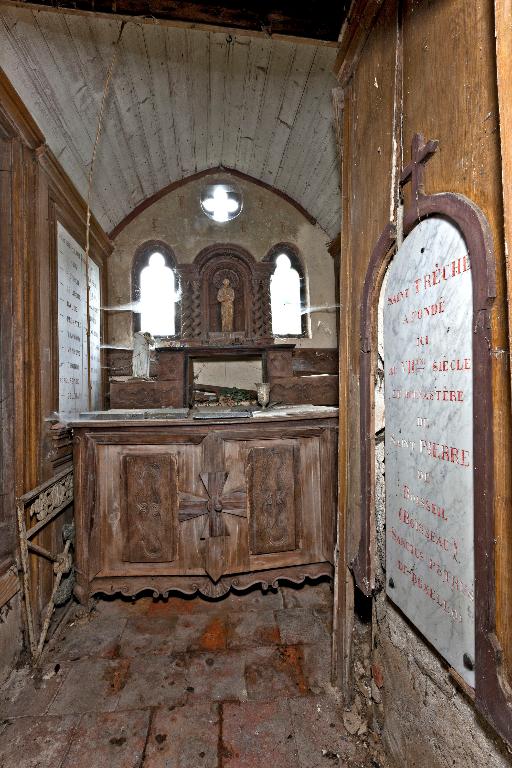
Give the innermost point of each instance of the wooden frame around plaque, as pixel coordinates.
(491, 695)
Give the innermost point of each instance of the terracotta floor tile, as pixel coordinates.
(271, 672)
(92, 685)
(317, 666)
(253, 629)
(31, 692)
(97, 637)
(256, 734)
(319, 731)
(109, 740)
(187, 737)
(240, 682)
(145, 634)
(218, 676)
(155, 681)
(40, 742)
(174, 634)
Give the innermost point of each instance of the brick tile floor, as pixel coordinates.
(241, 682)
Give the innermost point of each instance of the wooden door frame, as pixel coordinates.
(491, 694)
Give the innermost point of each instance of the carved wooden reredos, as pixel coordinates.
(200, 308)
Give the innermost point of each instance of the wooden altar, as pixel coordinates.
(203, 506)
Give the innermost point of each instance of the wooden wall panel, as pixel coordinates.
(7, 476)
(450, 94)
(367, 162)
(36, 192)
(446, 57)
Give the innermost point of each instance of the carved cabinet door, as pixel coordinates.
(151, 506)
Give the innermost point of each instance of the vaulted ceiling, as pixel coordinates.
(181, 101)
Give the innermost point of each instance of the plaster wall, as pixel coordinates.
(427, 722)
(266, 220)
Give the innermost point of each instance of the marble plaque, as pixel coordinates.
(73, 322)
(428, 314)
(95, 335)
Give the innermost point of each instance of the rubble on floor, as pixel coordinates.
(188, 683)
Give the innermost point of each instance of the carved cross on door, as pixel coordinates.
(421, 153)
(213, 508)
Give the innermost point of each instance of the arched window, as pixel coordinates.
(287, 292)
(155, 290)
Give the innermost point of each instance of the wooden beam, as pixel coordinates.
(292, 21)
(354, 34)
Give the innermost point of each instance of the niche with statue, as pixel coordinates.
(225, 298)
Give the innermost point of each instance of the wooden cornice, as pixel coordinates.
(66, 194)
(17, 122)
(15, 119)
(354, 34)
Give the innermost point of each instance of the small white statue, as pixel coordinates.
(143, 343)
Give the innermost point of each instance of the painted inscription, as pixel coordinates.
(75, 344)
(429, 439)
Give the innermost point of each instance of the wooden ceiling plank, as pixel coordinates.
(177, 66)
(317, 171)
(156, 42)
(204, 111)
(257, 69)
(319, 83)
(134, 62)
(321, 187)
(217, 97)
(321, 27)
(65, 80)
(307, 148)
(293, 98)
(238, 57)
(122, 92)
(144, 88)
(86, 43)
(86, 96)
(280, 63)
(197, 85)
(46, 104)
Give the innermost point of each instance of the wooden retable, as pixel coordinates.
(203, 506)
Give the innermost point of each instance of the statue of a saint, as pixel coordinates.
(226, 298)
(143, 343)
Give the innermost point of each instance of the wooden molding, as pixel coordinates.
(67, 196)
(503, 16)
(353, 36)
(16, 121)
(15, 117)
(199, 175)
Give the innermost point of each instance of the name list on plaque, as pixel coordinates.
(73, 323)
(428, 314)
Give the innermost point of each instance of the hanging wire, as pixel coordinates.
(99, 128)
